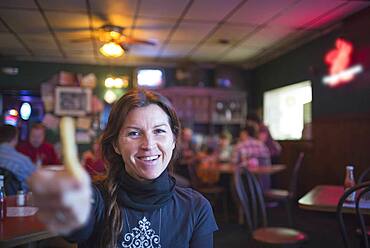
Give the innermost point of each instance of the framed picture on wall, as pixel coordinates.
(72, 101)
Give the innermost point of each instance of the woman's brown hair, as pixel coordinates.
(136, 98)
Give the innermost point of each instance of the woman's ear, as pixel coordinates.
(174, 144)
(116, 148)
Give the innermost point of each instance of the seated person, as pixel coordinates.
(37, 149)
(264, 135)
(224, 149)
(19, 165)
(252, 152)
(187, 153)
(92, 161)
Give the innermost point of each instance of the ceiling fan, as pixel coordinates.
(116, 42)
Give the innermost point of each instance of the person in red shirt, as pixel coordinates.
(93, 162)
(37, 149)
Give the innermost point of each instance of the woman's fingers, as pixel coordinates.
(64, 202)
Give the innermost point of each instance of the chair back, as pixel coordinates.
(251, 198)
(364, 176)
(294, 179)
(11, 183)
(362, 189)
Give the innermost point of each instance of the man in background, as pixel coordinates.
(39, 151)
(12, 161)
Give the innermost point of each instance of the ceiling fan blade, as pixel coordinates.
(131, 40)
(124, 47)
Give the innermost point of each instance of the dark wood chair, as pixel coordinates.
(361, 190)
(251, 198)
(364, 176)
(287, 197)
(11, 183)
(213, 192)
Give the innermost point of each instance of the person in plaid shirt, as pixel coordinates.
(252, 152)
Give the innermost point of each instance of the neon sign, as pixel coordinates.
(338, 60)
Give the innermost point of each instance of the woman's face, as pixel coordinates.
(146, 142)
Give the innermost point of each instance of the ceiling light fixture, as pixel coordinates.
(112, 49)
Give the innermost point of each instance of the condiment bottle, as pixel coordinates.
(2, 199)
(349, 182)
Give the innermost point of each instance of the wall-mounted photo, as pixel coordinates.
(72, 101)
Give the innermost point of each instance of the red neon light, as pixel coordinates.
(339, 58)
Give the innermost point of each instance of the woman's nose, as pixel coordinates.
(148, 142)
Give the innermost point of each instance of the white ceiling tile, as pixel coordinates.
(42, 41)
(15, 52)
(68, 21)
(112, 17)
(305, 12)
(84, 52)
(152, 29)
(44, 52)
(3, 29)
(267, 37)
(162, 8)
(31, 21)
(258, 12)
(177, 50)
(216, 10)
(233, 33)
(8, 41)
(239, 54)
(209, 52)
(123, 7)
(70, 5)
(143, 50)
(67, 45)
(190, 31)
(18, 4)
(74, 35)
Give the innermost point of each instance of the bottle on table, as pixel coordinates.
(38, 161)
(349, 182)
(2, 198)
(21, 198)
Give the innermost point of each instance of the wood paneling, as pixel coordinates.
(338, 141)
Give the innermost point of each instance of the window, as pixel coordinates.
(150, 78)
(286, 110)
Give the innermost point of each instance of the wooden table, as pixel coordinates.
(326, 197)
(260, 170)
(21, 230)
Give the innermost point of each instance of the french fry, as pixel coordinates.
(69, 147)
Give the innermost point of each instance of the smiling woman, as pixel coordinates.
(139, 202)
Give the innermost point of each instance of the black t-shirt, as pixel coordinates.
(186, 220)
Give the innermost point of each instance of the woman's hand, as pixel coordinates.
(64, 202)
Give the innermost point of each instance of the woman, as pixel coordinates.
(92, 161)
(139, 204)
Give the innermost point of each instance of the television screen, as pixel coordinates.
(151, 78)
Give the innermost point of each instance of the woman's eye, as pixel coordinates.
(133, 133)
(158, 131)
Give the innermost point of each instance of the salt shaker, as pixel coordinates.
(21, 198)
